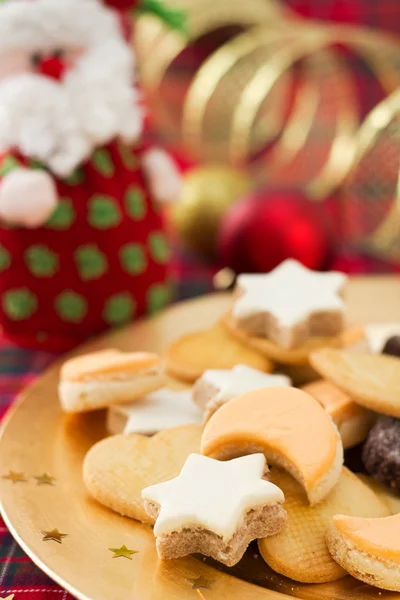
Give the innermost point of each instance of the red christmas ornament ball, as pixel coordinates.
(265, 228)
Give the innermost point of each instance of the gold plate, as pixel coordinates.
(36, 438)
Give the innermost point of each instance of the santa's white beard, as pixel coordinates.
(61, 123)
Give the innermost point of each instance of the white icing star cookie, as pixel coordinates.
(212, 495)
(216, 387)
(377, 335)
(291, 304)
(159, 410)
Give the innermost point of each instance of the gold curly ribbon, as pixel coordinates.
(278, 98)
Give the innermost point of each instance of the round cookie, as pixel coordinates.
(372, 380)
(295, 356)
(381, 453)
(289, 426)
(299, 551)
(192, 354)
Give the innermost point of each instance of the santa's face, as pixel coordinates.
(66, 81)
(54, 62)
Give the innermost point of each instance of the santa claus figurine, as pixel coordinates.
(82, 246)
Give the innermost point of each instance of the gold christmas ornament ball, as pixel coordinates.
(207, 193)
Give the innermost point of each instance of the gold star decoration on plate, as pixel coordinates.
(45, 479)
(53, 535)
(15, 477)
(123, 551)
(201, 582)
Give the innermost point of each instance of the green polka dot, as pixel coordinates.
(159, 248)
(19, 304)
(135, 203)
(127, 157)
(133, 259)
(41, 261)
(71, 307)
(103, 163)
(90, 261)
(8, 164)
(5, 259)
(119, 309)
(76, 178)
(64, 215)
(104, 213)
(158, 296)
(42, 336)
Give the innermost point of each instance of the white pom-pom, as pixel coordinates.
(164, 178)
(27, 197)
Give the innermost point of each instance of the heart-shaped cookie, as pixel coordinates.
(117, 468)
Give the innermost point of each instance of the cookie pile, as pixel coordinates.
(194, 461)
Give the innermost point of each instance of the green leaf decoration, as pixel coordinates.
(5, 258)
(71, 307)
(158, 297)
(135, 203)
(41, 261)
(91, 262)
(133, 259)
(159, 248)
(104, 212)
(76, 178)
(103, 163)
(127, 156)
(119, 309)
(19, 304)
(175, 19)
(63, 216)
(8, 164)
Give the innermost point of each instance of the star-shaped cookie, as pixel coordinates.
(215, 508)
(217, 387)
(155, 412)
(290, 304)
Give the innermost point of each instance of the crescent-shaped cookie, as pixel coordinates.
(299, 551)
(368, 549)
(289, 426)
(372, 380)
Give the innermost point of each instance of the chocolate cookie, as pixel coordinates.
(381, 454)
(392, 346)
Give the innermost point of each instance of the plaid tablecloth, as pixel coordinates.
(18, 575)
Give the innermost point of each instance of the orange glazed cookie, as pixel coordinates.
(352, 420)
(100, 379)
(368, 549)
(289, 426)
(214, 348)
